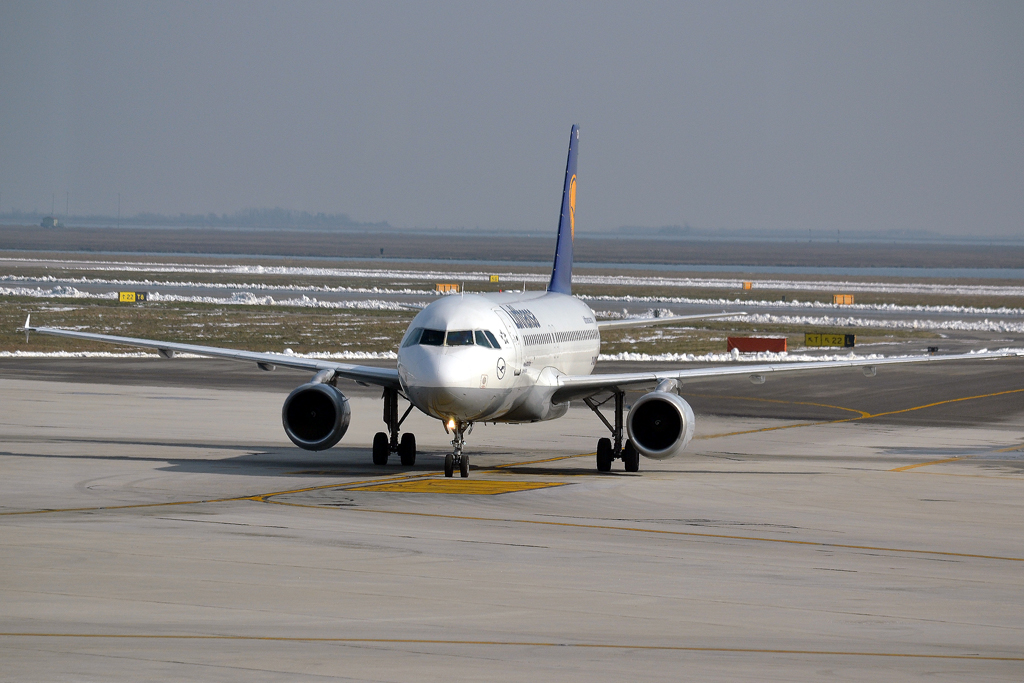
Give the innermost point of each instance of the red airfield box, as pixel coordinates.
(755, 344)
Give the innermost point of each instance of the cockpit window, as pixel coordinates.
(413, 338)
(432, 338)
(459, 338)
(427, 337)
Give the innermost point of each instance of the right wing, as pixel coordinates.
(572, 387)
(365, 374)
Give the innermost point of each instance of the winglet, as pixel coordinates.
(561, 274)
(28, 326)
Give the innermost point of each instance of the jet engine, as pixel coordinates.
(660, 423)
(315, 416)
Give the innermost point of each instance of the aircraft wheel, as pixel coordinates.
(407, 450)
(631, 457)
(381, 448)
(464, 466)
(449, 465)
(604, 455)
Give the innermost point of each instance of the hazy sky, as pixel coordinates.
(809, 115)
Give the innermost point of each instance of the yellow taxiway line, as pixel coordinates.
(863, 415)
(926, 464)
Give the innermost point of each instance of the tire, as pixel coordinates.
(449, 465)
(407, 450)
(604, 455)
(464, 466)
(630, 457)
(381, 448)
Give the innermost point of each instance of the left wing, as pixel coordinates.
(580, 386)
(366, 374)
(659, 320)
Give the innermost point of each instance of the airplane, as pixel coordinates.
(513, 357)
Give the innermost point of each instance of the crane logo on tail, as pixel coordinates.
(572, 207)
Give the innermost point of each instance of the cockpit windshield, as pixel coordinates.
(432, 338)
(459, 338)
(427, 337)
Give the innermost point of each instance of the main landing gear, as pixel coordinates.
(386, 444)
(457, 458)
(612, 449)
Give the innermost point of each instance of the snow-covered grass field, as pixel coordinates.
(352, 311)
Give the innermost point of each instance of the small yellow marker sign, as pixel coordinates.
(494, 278)
(131, 297)
(840, 340)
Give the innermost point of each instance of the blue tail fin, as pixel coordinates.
(561, 274)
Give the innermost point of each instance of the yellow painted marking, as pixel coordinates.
(762, 429)
(480, 487)
(862, 413)
(925, 464)
(520, 643)
(1011, 449)
(266, 498)
(864, 416)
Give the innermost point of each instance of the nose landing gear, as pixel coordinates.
(457, 458)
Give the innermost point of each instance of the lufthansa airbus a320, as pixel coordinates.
(505, 357)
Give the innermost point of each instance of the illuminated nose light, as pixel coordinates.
(451, 423)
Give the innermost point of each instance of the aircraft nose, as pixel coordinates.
(445, 385)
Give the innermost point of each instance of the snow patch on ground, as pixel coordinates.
(514, 279)
(236, 299)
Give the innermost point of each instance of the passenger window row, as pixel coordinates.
(427, 337)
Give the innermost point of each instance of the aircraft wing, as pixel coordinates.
(660, 320)
(366, 374)
(580, 386)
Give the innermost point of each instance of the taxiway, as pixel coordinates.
(156, 524)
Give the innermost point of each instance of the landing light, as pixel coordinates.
(451, 423)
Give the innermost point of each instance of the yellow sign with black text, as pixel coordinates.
(131, 297)
(826, 340)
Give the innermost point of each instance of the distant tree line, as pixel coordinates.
(247, 218)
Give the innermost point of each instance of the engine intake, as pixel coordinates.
(315, 416)
(660, 424)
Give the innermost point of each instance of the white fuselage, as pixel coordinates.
(450, 369)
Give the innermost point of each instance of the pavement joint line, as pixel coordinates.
(519, 643)
(666, 532)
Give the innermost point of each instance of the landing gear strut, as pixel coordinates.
(613, 449)
(457, 458)
(386, 444)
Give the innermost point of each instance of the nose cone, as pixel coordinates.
(445, 382)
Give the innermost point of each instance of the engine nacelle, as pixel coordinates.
(660, 424)
(315, 416)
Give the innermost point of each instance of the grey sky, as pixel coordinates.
(815, 115)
